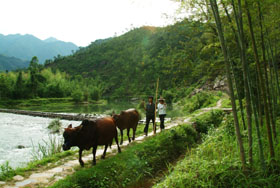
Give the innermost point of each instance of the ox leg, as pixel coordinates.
(117, 142)
(104, 153)
(121, 136)
(134, 131)
(80, 158)
(128, 129)
(94, 153)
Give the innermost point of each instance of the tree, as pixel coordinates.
(216, 14)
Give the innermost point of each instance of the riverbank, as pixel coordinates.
(75, 117)
(47, 104)
(89, 157)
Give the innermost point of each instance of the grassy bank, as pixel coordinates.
(216, 163)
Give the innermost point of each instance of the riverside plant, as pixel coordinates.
(46, 149)
(55, 126)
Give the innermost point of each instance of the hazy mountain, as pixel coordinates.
(11, 63)
(26, 46)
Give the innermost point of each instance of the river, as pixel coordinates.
(22, 130)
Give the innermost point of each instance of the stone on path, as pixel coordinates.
(24, 183)
(2, 182)
(18, 178)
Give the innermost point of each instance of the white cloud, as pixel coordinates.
(81, 21)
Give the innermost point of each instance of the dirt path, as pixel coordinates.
(50, 176)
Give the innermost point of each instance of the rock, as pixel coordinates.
(20, 147)
(2, 183)
(24, 183)
(18, 178)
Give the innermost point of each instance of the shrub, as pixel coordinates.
(200, 100)
(77, 95)
(95, 93)
(55, 126)
(6, 171)
(208, 120)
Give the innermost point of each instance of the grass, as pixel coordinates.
(55, 126)
(136, 163)
(216, 163)
(200, 100)
(48, 148)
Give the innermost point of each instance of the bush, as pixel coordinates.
(95, 93)
(136, 163)
(168, 95)
(6, 171)
(200, 100)
(208, 120)
(55, 126)
(77, 95)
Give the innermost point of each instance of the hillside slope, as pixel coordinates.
(130, 64)
(11, 63)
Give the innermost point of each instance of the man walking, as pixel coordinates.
(150, 114)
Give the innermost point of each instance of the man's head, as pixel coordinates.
(150, 99)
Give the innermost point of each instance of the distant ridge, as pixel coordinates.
(26, 46)
(12, 63)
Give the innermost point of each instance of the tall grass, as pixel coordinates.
(6, 171)
(46, 149)
(216, 163)
(55, 126)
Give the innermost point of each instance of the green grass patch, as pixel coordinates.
(216, 163)
(136, 162)
(200, 100)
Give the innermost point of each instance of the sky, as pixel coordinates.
(82, 21)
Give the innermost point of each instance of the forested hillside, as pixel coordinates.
(179, 55)
(11, 63)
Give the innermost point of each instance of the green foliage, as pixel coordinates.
(55, 126)
(208, 120)
(46, 149)
(216, 163)
(95, 93)
(6, 171)
(129, 65)
(136, 163)
(77, 95)
(200, 100)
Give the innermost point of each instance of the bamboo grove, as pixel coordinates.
(249, 38)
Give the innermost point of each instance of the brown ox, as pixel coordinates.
(125, 120)
(91, 133)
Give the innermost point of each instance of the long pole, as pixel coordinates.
(156, 107)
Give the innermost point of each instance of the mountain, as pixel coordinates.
(131, 63)
(26, 46)
(11, 63)
(51, 39)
